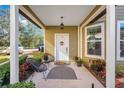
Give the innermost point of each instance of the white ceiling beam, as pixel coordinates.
(93, 16)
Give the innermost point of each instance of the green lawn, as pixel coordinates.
(4, 58)
(36, 55)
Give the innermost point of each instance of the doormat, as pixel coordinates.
(60, 63)
(62, 72)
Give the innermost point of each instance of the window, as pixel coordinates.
(94, 41)
(120, 40)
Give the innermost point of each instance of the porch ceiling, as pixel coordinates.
(73, 14)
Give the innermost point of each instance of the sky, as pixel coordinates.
(4, 6)
(122, 25)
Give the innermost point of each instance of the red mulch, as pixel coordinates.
(119, 84)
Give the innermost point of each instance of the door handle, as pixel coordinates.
(66, 50)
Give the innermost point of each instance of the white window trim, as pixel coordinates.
(118, 40)
(102, 41)
(44, 40)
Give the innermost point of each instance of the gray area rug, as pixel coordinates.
(62, 72)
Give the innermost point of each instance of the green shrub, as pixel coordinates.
(37, 56)
(98, 65)
(5, 71)
(22, 59)
(94, 67)
(22, 85)
(4, 74)
(76, 58)
(79, 62)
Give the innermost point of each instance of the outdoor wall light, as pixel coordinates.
(62, 24)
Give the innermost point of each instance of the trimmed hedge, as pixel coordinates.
(21, 85)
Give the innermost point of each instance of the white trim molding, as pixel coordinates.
(119, 58)
(102, 56)
(81, 47)
(44, 40)
(94, 15)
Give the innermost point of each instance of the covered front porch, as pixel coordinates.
(71, 37)
(84, 79)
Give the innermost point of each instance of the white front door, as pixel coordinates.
(62, 47)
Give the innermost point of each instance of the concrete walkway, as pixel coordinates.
(8, 61)
(4, 63)
(84, 79)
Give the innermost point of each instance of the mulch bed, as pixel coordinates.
(103, 82)
(119, 84)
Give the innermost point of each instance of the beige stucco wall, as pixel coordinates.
(86, 59)
(103, 19)
(73, 39)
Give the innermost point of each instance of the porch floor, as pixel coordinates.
(84, 79)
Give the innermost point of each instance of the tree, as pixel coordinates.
(4, 24)
(26, 35)
(27, 32)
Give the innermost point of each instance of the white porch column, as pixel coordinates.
(110, 47)
(14, 64)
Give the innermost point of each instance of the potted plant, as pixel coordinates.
(76, 58)
(79, 62)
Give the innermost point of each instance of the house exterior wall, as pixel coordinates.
(119, 15)
(73, 39)
(86, 59)
(119, 10)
